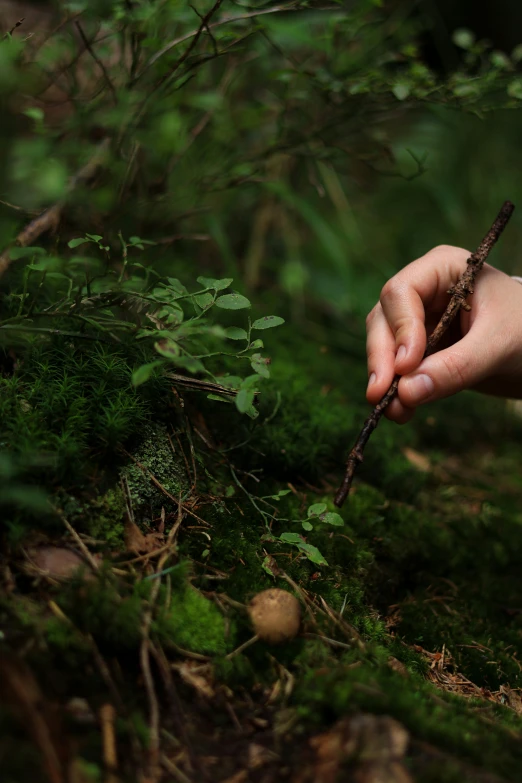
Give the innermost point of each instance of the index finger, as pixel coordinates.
(422, 285)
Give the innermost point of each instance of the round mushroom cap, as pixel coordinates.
(275, 615)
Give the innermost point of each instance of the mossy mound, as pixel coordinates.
(421, 567)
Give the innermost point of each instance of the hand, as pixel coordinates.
(482, 351)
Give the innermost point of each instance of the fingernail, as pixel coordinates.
(371, 379)
(420, 387)
(401, 354)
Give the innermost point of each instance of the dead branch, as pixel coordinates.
(459, 294)
(49, 219)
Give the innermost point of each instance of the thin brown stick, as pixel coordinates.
(107, 716)
(223, 20)
(11, 31)
(459, 294)
(50, 218)
(97, 60)
(87, 555)
(153, 761)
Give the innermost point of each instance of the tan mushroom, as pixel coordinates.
(275, 615)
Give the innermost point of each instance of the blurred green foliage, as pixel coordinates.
(293, 157)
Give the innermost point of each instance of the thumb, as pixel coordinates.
(447, 372)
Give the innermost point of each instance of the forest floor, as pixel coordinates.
(126, 644)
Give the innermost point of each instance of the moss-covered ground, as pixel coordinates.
(412, 609)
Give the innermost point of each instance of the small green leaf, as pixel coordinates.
(232, 302)
(280, 494)
(244, 400)
(514, 89)
(205, 553)
(331, 518)
(500, 60)
(268, 322)
(34, 113)
(138, 241)
(72, 243)
(252, 412)
(167, 348)
(307, 525)
(291, 538)
(25, 252)
(217, 398)
(189, 363)
(176, 286)
(269, 565)
(235, 333)
(401, 90)
(249, 382)
(204, 300)
(230, 381)
(313, 554)
(143, 373)
(256, 344)
(217, 285)
(259, 365)
(463, 38)
(316, 509)
(94, 237)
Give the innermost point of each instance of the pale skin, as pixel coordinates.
(482, 352)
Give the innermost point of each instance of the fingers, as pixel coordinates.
(380, 350)
(380, 346)
(420, 286)
(398, 412)
(462, 366)
(403, 311)
(396, 334)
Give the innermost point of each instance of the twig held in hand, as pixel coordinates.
(459, 294)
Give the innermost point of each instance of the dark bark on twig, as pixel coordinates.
(459, 294)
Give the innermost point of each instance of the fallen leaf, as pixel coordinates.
(418, 460)
(138, 543)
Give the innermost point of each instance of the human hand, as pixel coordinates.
(482, 349)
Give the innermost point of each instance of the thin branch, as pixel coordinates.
(224, 20)
(195, 35)
(459, 293)
(85, 552)
(153, 770)
(11, 31)
(97, 60)
(51, 217)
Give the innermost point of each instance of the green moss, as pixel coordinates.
(447, 723)
(195, 623)
(106, 517)
(158, 457)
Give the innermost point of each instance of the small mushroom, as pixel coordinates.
(275, 615)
